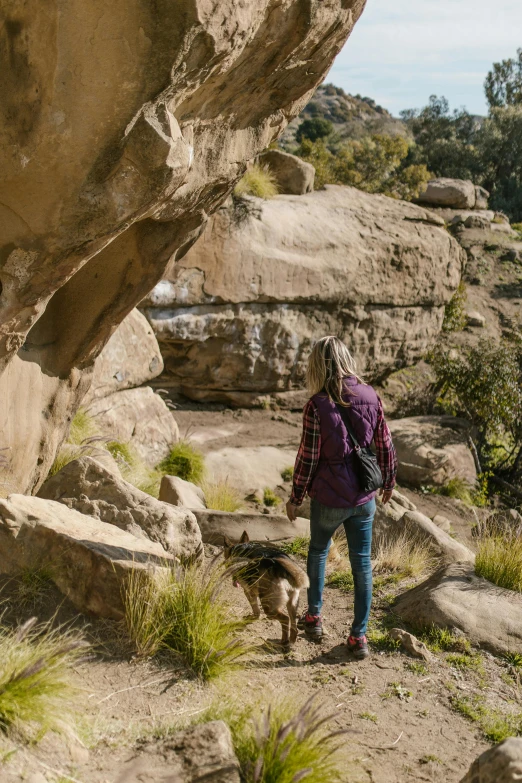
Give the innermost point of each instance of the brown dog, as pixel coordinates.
(270, 576)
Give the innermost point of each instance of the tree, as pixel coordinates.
(499, 147)
(444, 140)
(503, 85)
(314, 129)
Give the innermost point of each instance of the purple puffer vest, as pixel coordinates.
(335, 481)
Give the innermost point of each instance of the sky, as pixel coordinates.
(402, 51)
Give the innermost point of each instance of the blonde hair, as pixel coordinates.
(330, 362)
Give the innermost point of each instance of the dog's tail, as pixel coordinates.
(295, 574)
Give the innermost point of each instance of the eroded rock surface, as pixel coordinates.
(239, 313)
(455, 597)
(122, 128)
(501, 764)
(87, 559)
(433, 450)
(87, 487)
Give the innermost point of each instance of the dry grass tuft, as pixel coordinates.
(402, 554)
(133, 468)
(36, 691)
(185, 613)
(257, 181)
(222, 496)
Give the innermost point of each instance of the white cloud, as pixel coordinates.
(401, 52)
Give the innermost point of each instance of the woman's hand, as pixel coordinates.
(386, 495)
(291, 511)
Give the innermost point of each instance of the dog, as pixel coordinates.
(269, 576)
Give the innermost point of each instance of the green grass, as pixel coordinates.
(185, 613)
(287, 474)
(380, 640)
(257, 181)
(36, 690)
(499, 560)
(82, 427)
(368, 716)
(133, 469)
(299, 546)
(514, 659)
(270, 498)
(456, 488)
(442, 640)
(285, 744)
(222, 496)
(185, 461)
(417, 668)
(495, 725)
(464, 661)
(31, 585)
(343, 580)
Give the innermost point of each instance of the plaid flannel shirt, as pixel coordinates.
(310, 450)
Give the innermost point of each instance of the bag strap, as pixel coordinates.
(343, 412)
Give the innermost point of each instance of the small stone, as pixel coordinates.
(442, 522)
(475, 318)
(410, 643)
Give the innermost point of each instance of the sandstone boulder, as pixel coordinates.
(293, 175)
(393, 519)
(87, 487)
(260, 527)
(178, 492)
(240, 312)
(138, 417)
(443, 522)
(131, 358)
(455, 597)
(86, 558)
(201, 753)
(481, 197)
(447, 192)
(477, 221)
(249, 469)
(104, 179)
(474, 318)
(501, 764)
(432, 450)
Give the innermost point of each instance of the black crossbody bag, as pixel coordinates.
(365, 463)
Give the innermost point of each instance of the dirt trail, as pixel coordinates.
(404, 727)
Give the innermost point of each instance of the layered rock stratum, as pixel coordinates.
(236, 317)
(122, 127)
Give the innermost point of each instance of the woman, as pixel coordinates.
(325, 469)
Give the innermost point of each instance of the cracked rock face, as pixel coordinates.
(240, 312)
(123, 125)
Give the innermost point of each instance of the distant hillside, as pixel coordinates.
(352, 116)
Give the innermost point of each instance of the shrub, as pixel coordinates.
(257, 181)
(222, 496)
(499, 560)
(36, 692)
(285, 745)
(314, 129)
(287, 474)
(455, 311)
(270, 498)
(185, 461)
(185, 613)
(456, 488)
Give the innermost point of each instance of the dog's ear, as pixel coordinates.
(227, 542)
(244, 538)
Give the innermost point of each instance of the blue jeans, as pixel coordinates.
(357, 522)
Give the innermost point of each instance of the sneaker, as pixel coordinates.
(359, 646)
(313, 626)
